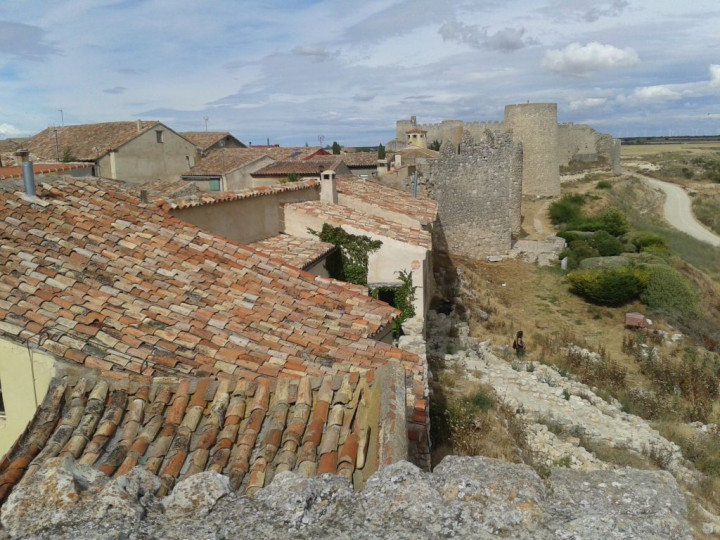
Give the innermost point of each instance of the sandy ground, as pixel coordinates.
(678, 211)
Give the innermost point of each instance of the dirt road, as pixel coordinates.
(678, 211)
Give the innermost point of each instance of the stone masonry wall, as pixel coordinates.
(478, 192)
(535, 126)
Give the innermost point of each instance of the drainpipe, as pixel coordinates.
(29, 178)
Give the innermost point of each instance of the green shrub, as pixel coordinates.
(579, 250)
(669, 292)
(642, 241)
(611, 287)
(567, 210)
(611, 220)
(603, 184)
(606, 244)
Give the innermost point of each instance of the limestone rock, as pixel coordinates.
(197, 494)
(49, 496)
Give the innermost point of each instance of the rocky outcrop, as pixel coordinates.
(464, 498)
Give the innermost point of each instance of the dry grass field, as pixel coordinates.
(692, 149)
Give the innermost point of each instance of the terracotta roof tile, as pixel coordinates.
(205, 139)
(300, 252)
(338, 215)
(40, 169)
(309, 167)
(88, 141)
(201, 199)
(226, 160)
(374, 194)
(124, 286)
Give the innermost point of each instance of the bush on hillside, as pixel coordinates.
(610, 287)
(611, 220)
(643, 241)
(567, 210)
(670, 293)
(583, 246)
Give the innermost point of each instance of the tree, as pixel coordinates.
(381, 151)
(67, 156)
(335, 148)
(435, 145)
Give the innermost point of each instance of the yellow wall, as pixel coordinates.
(16, 377)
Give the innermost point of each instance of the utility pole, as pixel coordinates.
(206, 121)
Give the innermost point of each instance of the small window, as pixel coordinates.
(215, 185)
(159, 136)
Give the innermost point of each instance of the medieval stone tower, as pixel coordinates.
(535, 126)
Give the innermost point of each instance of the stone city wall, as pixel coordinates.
(535, 126)
(478, 191)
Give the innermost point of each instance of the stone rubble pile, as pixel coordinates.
(464, 497)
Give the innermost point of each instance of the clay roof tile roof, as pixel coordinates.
(300, 252)
(92, 275)
(338, 215)
(372, 193)
(88, 141)
(205, 139)
(177, 427)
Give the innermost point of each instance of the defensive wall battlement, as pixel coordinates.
(547, 145)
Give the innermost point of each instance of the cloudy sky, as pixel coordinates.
(293, 71)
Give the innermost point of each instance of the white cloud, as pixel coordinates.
(715, 75)
(658, 92)
(576, 59)
(587, 103)
(8, 130)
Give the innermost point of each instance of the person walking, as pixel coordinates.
(519, 344)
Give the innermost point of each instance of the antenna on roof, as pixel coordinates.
(321, 138)
(206, 121)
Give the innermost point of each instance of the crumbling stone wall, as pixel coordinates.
(583, 143)
(478, 189)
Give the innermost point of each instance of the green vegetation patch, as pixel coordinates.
(609, 287)
(669, 292)
(354, 253)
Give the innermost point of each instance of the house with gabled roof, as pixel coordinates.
(232, 169)
(208, 141)
(157, 327)
(136, 152)
(281, 170)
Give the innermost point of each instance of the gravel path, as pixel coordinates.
(678, 211)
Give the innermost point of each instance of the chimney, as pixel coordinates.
(29, 178)
(381, 167)
(143, 196)
(21, 156)
(328, 189)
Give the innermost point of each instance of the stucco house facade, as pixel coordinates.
(136, 152)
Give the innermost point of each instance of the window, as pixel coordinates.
(159, 136)
(215, 185)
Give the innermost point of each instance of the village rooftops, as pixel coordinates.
(15, 171)
(205, 198)
(394, 200)
(338, 215)
(310, 167)
(225, 160)
(355, 159)
(207, 139)
(87, 142)
(300, 252)
(177, 427)
(93, 276)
